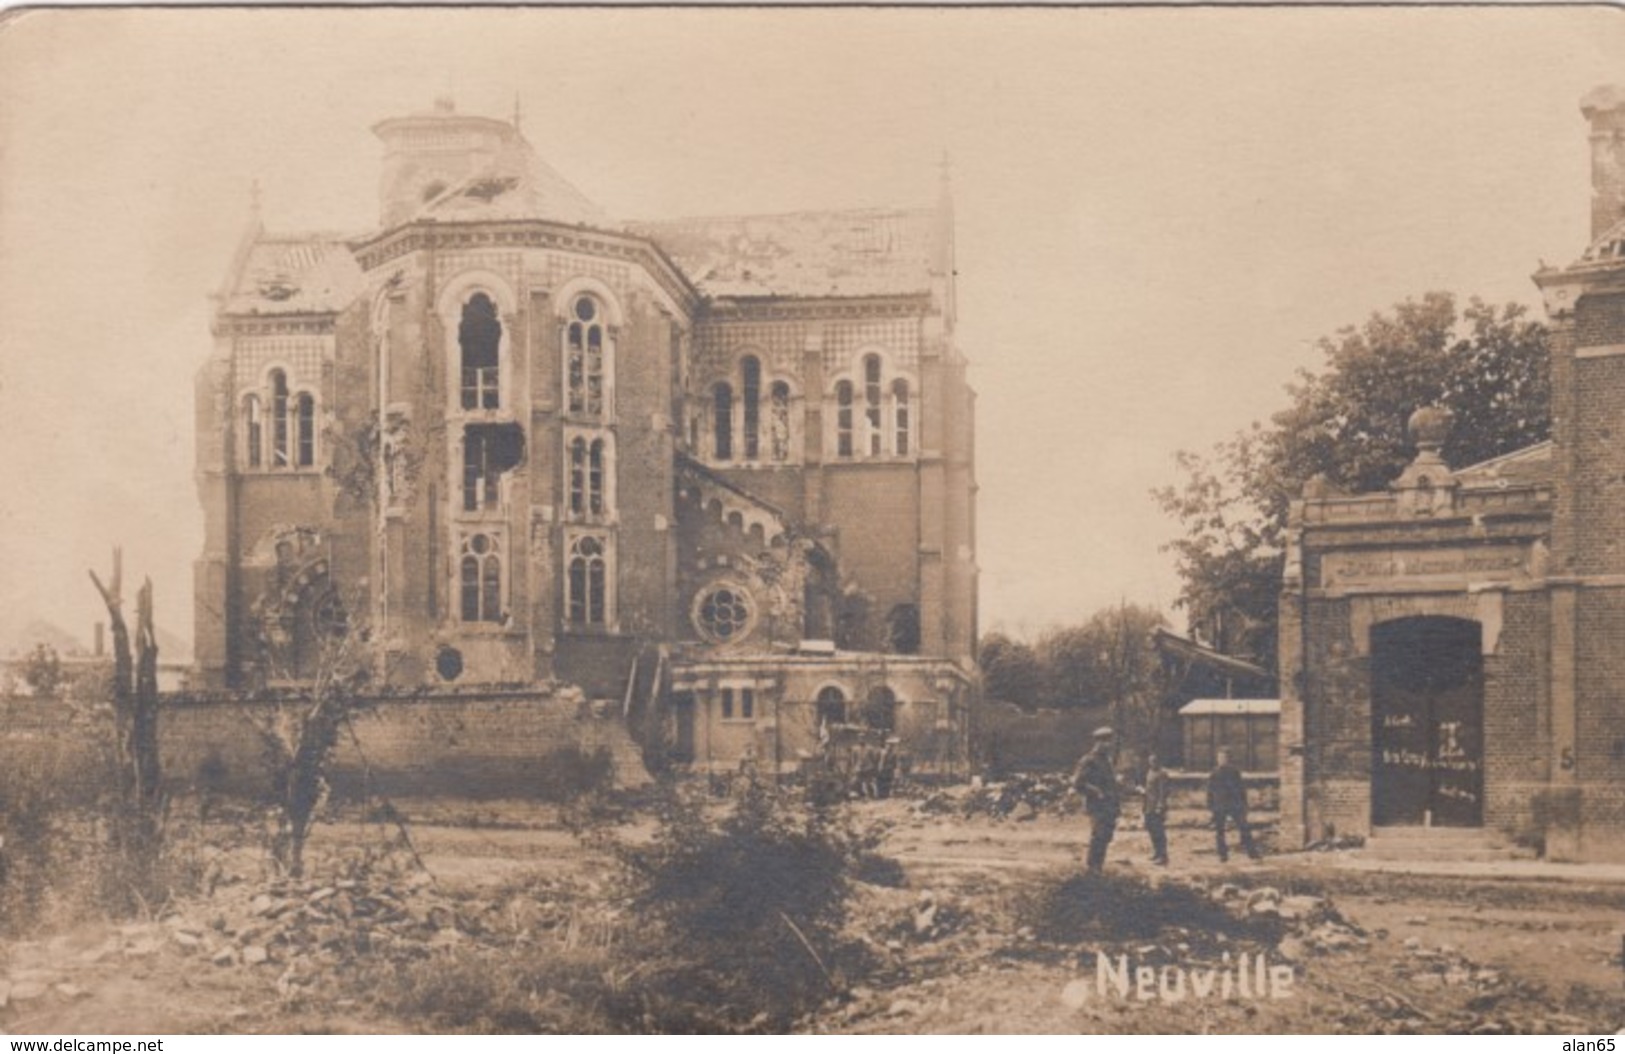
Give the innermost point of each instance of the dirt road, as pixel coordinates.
(971, 934)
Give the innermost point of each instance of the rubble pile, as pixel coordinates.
(1308, 924)
(1021, 797)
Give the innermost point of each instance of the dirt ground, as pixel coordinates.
(969, 933)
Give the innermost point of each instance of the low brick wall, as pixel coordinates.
(499, 745)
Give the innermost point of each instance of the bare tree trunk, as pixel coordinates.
(135, 713)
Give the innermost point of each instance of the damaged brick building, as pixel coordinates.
(717, 473)
(1453, 650)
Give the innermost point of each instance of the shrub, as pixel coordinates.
(744, 911)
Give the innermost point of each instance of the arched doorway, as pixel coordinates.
(1427, 722)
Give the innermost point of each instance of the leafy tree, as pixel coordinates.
(1346, 426)
(42, 670)
(1108, 660)
(1010, 670)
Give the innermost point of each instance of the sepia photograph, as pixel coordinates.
(816, 520)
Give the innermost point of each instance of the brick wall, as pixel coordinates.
(1517, 711)
(456, 747)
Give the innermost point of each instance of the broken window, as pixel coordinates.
(254, 431)
(871, 402)
(306, 429)
(843, 419)
(480, 337)
(831, 706)
(747, 703)
(279, 419)
(903, 629)
(900, 422)
(722, 419)
(488, 452)
(750, 392)
(880, 712)
(481, 579)
(779, 421)
(727, 704)
(588, 581)
(584, 354)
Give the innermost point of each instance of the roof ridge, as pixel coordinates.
(858, 210)
(1501, 459)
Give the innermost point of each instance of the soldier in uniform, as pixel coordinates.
(1227, 800)
(1096, 780)
(1156, 809)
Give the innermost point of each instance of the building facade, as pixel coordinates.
(1453, 650)
(719, 471)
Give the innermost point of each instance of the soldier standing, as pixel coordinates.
(1095, 779)
(1156, 809)
(1227, 800)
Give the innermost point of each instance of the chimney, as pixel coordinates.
(1604, 107)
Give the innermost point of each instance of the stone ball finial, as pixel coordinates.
(1429, 427)
(1603, 99)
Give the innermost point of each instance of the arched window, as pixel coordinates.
(481, 580)
(880, 712)
(900, 417)
(750, 372)
(843, 419)
(831, 706)
(254, 431)
(778, 421)
(279, 419)
(480, 337)
(588, 598)
(722, 422)
(871, 403)
(584, 354)
(306, 429)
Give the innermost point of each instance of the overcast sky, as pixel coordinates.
(1159, 212)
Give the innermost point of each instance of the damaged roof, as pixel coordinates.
(847, 253)
(294, 275)
(1530, 465)
(519, 187)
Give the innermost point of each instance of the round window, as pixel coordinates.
(585, 308)
(724, 613)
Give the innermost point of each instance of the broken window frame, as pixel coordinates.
(832, 701)
(873, 409)
(480, 387)
(279, 419)
(778, 418)
(253, 432)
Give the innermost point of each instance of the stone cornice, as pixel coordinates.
(374, 252)
(776, 309)
(273, 325)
